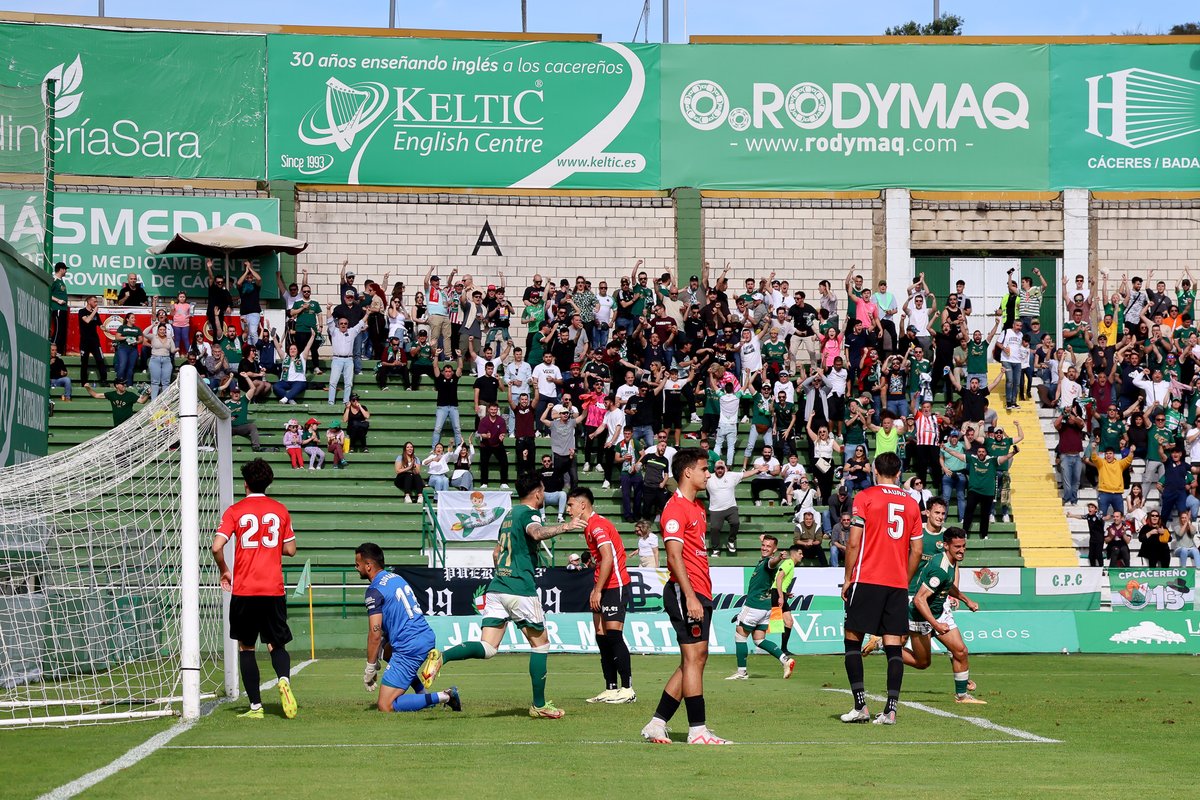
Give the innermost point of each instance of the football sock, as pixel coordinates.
(281, 661)
(770, 647)
(607, 664)
(250, 676)
(854, 671)
(960, 681)
(667, 706)
(464, 651)
(620, 651)
(787, 634)
(416, 702)
(537, 676)
(895, 674)
(742, 650)
(695, 711)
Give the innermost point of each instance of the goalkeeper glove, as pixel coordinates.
(371, 676)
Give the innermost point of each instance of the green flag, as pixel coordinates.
(305, 580)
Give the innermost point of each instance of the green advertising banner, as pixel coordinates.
(103, 237)
(815, 633)
(24, 358)
(1101, 632)
(429, 112)
(141, 103)
(854, 116)
(1152, 589)
(1125, 116)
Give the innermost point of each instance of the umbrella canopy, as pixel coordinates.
(228, 241)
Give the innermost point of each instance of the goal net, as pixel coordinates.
(103, 551)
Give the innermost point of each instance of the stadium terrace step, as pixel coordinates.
(1044, 538)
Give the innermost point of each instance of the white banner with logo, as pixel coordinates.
(472, 516)
(989, 580)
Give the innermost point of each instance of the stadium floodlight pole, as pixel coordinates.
(524, 16)
(392, 14)
(666, 21)
(101, 3)
(189, 540)
(937, 10)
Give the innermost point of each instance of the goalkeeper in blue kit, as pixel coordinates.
(397, 630)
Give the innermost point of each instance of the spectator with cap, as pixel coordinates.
(439, 320)
(314, 448)
(839, 535)
(306, 315)
(342, 366)
(393, 360)
(351, 310)
(722, 507)
(335, 443)
(239, 418)
(291, 443)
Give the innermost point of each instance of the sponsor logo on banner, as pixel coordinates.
(1147, 632)
(1152, 589)
(1144, 107)
(990, 581)
(472, 516)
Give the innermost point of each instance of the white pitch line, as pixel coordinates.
(559, 742)
(980, 722)
(141, 751)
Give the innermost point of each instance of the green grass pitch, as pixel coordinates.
(1120, 724)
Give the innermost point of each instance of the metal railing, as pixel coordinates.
(432, 536)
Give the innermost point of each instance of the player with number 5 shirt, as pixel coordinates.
(261, 530)
(882, 555)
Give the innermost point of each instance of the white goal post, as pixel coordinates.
(110, 604)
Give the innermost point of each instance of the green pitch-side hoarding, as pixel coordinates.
(428, 112)
(24, 358)
(141, 103)
(104, 237)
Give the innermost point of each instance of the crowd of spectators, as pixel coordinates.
(794, 395)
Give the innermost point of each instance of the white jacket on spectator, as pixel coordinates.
(721, 490)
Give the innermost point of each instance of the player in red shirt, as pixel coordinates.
(882, 555)
(687, 599)
(261, 529)
(610, 596)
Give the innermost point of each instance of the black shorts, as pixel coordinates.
(253, 618)
(881, 610)
(614, 603)
(686, 631)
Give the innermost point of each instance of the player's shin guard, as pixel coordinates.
(695, 711)
(251, 678)
(620, 651)
(607, 665)
(415, 702)
(895, 674)
(537, 674)
(961, 679)
(767, 646)
(281, 661)
(667, 706)
(854, 671)
(467, 650)
(741, 649)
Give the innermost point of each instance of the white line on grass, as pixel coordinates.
(141, 751)
(986, 724)
(559, 742)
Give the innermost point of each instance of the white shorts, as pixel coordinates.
(522, 610)
(752, 619)
(923, 628)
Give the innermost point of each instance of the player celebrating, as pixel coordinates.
(687, 598)
(609, 598)
(882, 555)
(512, 592)
(396, 626)
(929, 615)
(261, 529)
(755, 616)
